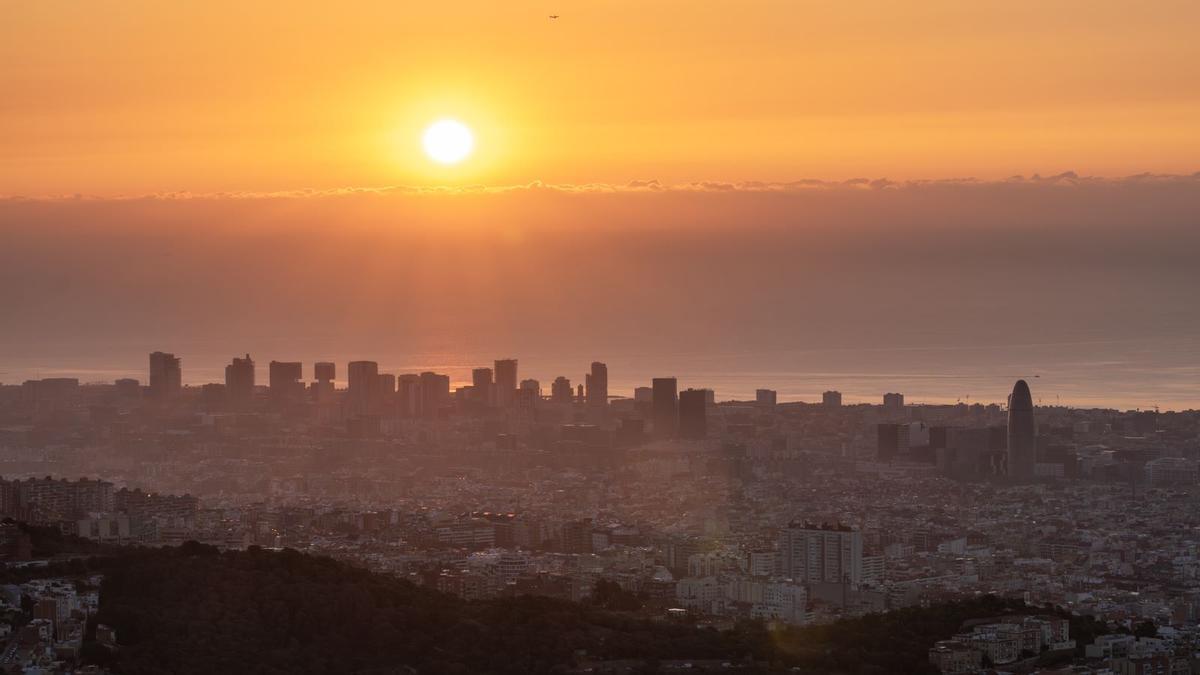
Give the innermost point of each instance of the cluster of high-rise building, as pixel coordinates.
(369, 393)
(372, 402)
(1003, 452)
(793, 512)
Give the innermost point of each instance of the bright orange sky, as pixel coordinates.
(142, 96)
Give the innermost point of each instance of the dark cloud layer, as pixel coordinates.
(639, 266)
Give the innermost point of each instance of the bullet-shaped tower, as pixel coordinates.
(1022, 434)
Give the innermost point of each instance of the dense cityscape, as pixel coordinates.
(666, 503)
(599, 338)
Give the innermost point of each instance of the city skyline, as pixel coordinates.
(610, 337)
(866, 388)
(379, 405)
(909, 280)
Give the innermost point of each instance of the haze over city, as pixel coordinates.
(909, 180)
(1087, 281)
(599, 337)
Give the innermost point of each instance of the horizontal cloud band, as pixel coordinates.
(1066, 179)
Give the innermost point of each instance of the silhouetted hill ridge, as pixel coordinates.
(195, 609)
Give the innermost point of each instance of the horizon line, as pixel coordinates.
(642, 186)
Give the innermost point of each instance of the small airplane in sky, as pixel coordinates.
(553, 16)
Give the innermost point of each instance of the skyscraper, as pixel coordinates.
(408, 395)
(239, 381)
(1022, 434)
(506, 381)
(482, 386)
(832, 399)
(284, 378)
(893, 401)
(693, 407)
(324, 371)
(560, 390)
(322, 390)
(665, 406)
(385, 403)
(643, 402)
(524, 406)
(532, 385)
(435, 393)
(363, 386)
(166, 375)
(597, 385)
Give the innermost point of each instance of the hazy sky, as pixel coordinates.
(145, 96)
(716, 266)
(650, 180)
(937, 289)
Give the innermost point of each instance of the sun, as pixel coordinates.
(448, 141)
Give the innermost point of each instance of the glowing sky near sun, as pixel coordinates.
(142, 95)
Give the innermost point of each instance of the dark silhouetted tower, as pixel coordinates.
(166, 375)
(363, 387)
(408, 395)
(284, 378)
(322, 390)
(665, 406)
(832, 399)
(532, 385)
(386, 393)
(1022, 434)
(324, 372)
(482, 385)
(435, 393)
(560, 391)
(693, 406)
(643, 402)
(765, 397)
(525, 405)
(597, 385)
(506, 382)
(239, 381)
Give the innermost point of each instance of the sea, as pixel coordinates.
(1130, 374)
